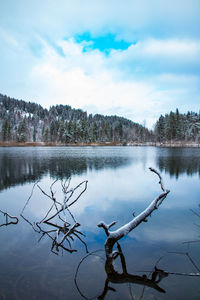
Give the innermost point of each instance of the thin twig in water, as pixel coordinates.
(13, 219)
(60, 230)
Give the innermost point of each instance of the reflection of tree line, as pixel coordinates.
(177, 164)
(14, 171)
(29, 168)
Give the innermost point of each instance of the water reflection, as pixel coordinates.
(122, 185)
(20, 165)
(116, 277)
(156, 283)
(29, 165)
(177, 161)
(113, 275)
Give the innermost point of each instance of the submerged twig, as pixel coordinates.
(60, 230)
(13, 219)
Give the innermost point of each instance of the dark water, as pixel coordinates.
(119, 184)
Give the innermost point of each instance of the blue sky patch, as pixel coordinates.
(103, 43)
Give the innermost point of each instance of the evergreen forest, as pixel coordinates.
(178, 127)
(22, 121)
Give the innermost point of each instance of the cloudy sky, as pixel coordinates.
(133, 58)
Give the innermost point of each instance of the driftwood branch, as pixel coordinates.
(55, 223)
(114, 236)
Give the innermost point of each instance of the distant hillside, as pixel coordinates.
(22, 121)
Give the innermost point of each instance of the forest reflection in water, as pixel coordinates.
(29, 269)
(177, 161)
(18, 167)
(30, 165)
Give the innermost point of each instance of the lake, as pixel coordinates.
(158, 255)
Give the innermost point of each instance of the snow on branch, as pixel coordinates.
(114, 236)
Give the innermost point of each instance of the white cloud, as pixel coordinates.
(96, 83)
(138, 83)
(179, 49)
(83, 80)
(159, 56)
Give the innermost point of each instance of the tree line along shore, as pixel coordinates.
(29, 124)
(142, 144)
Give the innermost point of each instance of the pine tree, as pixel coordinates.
(22, 132)
(34, 133)
(160, 129)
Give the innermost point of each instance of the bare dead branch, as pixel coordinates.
(27, 202)
(114, 236)
(185, 274)
(60, 230)
(160, 181)
(62, 208)
(85, 188)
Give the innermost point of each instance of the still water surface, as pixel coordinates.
(119, 184)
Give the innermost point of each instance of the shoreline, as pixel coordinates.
(132, 144)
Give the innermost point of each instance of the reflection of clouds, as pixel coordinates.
(167, 235)
(184, 193)
(15, 198)
(108, 187)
